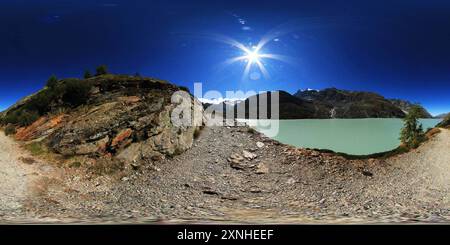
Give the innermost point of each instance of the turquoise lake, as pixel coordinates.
(351, 136)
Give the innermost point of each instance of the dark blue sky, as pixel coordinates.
(399, 49)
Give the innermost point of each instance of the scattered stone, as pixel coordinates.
(210, 192)
(315, 154)
(262, 169)
(154, 168)
(248, 155)
(291, 181)
(367, 173)
(260, 144)
(125, 179)
(231, 198)
(254, 189)
(236, 161)
(135, 166)
(207, 190)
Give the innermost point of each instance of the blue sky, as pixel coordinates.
(400, 50)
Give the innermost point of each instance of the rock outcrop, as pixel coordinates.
(126, 117)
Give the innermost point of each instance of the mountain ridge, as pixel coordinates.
(329, 103)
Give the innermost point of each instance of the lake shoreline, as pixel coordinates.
(354, 138)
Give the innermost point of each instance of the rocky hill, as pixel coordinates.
(290, 107)
(406, 105)
(118, 117)
(352, 104)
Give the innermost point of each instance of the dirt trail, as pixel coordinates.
(15, 177)
(426, 170)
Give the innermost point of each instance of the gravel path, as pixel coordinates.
(15, 177)
(281, 184)
(276, 183)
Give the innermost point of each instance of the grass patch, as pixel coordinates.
(106, 166)
(75, 165)
(36, 148)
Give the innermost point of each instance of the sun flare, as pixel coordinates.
(252, 57)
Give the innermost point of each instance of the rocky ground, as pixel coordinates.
(232, 174)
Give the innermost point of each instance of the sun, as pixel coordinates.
(252, 56)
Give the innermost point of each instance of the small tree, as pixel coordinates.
(52, 81)
(101, 70)
(412, 132)
(87, 74)
(26, 118)
(10, 129)
(76, 92)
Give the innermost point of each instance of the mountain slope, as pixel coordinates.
(406, 105)
(290, 107)
(442, 115)
(352, 104)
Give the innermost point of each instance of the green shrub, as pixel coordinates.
(87, 74)
(75, 165)
(10, 118)
(26, 118)
(52, 81)
(101, 70)
(35, 148)
(412, 132)
(10, 129)
(41, 101)
(21, 117)
(76, 92)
